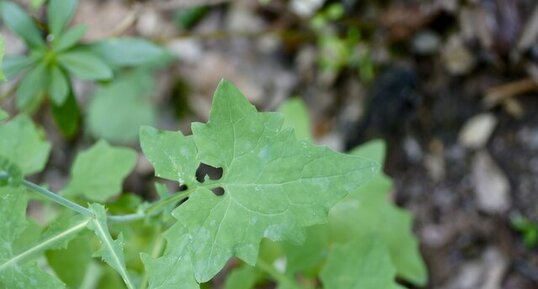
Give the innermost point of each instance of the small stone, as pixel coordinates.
(491, 186)
(426, 42)
(306, 8)
(457, 58)
(477, 131)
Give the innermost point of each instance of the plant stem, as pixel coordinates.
(280, 277)
(152, 210)
(58, 199)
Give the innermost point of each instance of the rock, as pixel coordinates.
(306, 8)
(477, 131)
(486, 273)
(457, 58)
(426, 42)
(492, 189)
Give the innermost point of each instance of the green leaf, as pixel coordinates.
(170, 153)
(244, 277)
(21, 24)
(59, 14)
(59, 85)
(13, 65)
(274, 184)
(85, 65)
(111, 250)
(23, 144)
(296, 116)
(368, 213)
(67, 116)
(127, 51)
(71, 264)
(175, 266)
(3, 114)
(98, 173)
(32, 87)
(17, 271)
(361, 264)
(2, 52)
(14, 174)
(118, 110)
(69, 39)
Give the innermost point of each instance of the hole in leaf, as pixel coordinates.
(218, 191)
(183, 188)
(205, 170)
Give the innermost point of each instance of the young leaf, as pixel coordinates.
(21, 24)
(32, 86)
(69, 38)
(117, 110)
(127, 51)
(361, 264)
(296, 116)
(274, 185)
(15, 270)
(23, 144)
(85, 65)
(99, 172)
(59, 13)
(59, 85)
(111, 250)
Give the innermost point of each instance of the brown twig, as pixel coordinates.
(498, 94)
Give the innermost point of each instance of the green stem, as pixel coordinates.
(280, 277)
(152, 210)
(58, 199)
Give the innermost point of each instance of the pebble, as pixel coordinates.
(491, 186)
(477, 131)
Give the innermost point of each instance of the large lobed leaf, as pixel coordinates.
(274, 184)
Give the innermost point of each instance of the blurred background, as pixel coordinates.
(451, 85)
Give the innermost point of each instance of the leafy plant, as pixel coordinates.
(314, 213)
(56, 56)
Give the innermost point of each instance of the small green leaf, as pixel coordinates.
(59, 85)
(21, 24)
(360, 264)
(69, 39)
(13, 65)
(99, 172)
(59, 14)
(118, 110)
(67, 116)
(127, 51)
(111, 250)
(296, 117)
(85, 65)
(24, 145)
(32, 88)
